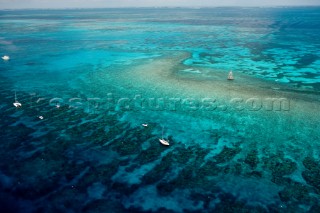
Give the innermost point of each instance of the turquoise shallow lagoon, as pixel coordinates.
(96, 75)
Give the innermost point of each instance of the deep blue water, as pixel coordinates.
(91, 154)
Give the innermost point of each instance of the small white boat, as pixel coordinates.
(145, 125)
(5, 57)
(16, 103)
(230, 76)
(163, 141)
(40, 117)
(58, 106)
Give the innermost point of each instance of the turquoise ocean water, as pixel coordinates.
(96, 75)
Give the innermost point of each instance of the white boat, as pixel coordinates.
(16, 103)
(230, 76)
(5, 57)
(145, 125)
(41, 117)
(163, 141)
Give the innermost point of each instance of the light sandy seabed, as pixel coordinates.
(292, 130)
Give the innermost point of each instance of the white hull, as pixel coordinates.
(230, 76)
(164, 142)
(6, 58)
(17, 104)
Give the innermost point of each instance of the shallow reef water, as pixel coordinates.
(96, 75)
